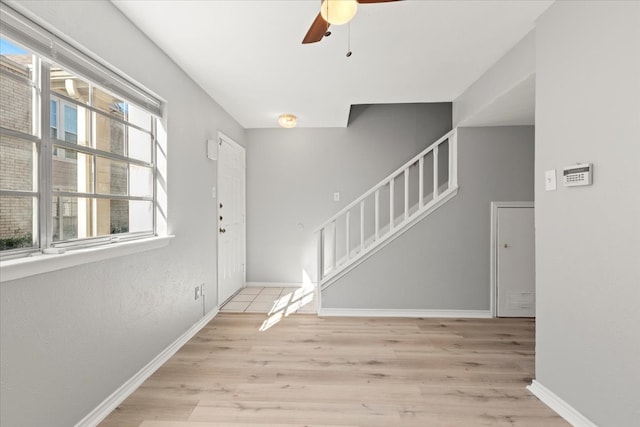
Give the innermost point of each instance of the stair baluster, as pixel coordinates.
(331, 267)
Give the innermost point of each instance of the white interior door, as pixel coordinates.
(515, 266)
(231, 218)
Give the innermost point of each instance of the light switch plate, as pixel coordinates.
(550, 180)
(336, 196)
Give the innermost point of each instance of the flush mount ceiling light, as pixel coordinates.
(338, 12)
(287, 120)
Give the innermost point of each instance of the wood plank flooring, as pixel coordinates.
(245, 370)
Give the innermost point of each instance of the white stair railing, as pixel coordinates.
(411, 192)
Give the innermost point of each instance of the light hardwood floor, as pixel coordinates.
(245, 370)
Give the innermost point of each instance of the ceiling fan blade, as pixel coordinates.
(316, 31)
(374, 1)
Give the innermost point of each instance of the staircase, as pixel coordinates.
(388, 210)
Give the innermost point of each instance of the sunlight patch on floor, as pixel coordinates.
(289, 303)
(276, 303)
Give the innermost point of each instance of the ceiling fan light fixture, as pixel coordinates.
(338, 12)
(287, 121)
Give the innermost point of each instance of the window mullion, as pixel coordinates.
(93, 143)
(92, 109)
(20, 135)
(104, 154)
(126, 153)
(100, 196)
(12, 193)
(154, 160)
(24, 80)
(46, 158)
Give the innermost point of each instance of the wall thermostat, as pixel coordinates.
(580, 174)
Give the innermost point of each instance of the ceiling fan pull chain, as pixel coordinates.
(327, 33)
(349, 53)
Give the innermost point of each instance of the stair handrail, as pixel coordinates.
(386, 180)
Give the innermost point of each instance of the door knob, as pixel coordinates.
(220, 217)
(506, 245)
(220, 205)
(223, 230)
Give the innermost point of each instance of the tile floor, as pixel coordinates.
(273, 300)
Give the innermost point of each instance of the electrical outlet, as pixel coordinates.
(197, 292)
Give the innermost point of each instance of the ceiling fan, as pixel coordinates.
(335, 12)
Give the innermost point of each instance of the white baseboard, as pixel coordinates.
(562, 408)
(117, 397)
(275, 285)
(365, 312)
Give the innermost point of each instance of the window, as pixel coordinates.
(77, 151)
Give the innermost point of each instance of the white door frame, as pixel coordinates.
(494, 248)
(225, 138)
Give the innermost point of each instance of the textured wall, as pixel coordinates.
(443, 261)
(71, 337)
(588, 238)
(293, 173)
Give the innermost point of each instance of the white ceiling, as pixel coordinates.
(248, 56)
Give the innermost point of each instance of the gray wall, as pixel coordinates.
(507, 73)
(443, 261)
(588, 238)
(71, 337)
(293, 173)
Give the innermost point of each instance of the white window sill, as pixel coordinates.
(38, 264)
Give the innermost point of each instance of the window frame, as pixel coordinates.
(44, 46)
(33, 137)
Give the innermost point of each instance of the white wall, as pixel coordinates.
(293, 173)
(588, 238)
(71, 337)
(443, 261)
